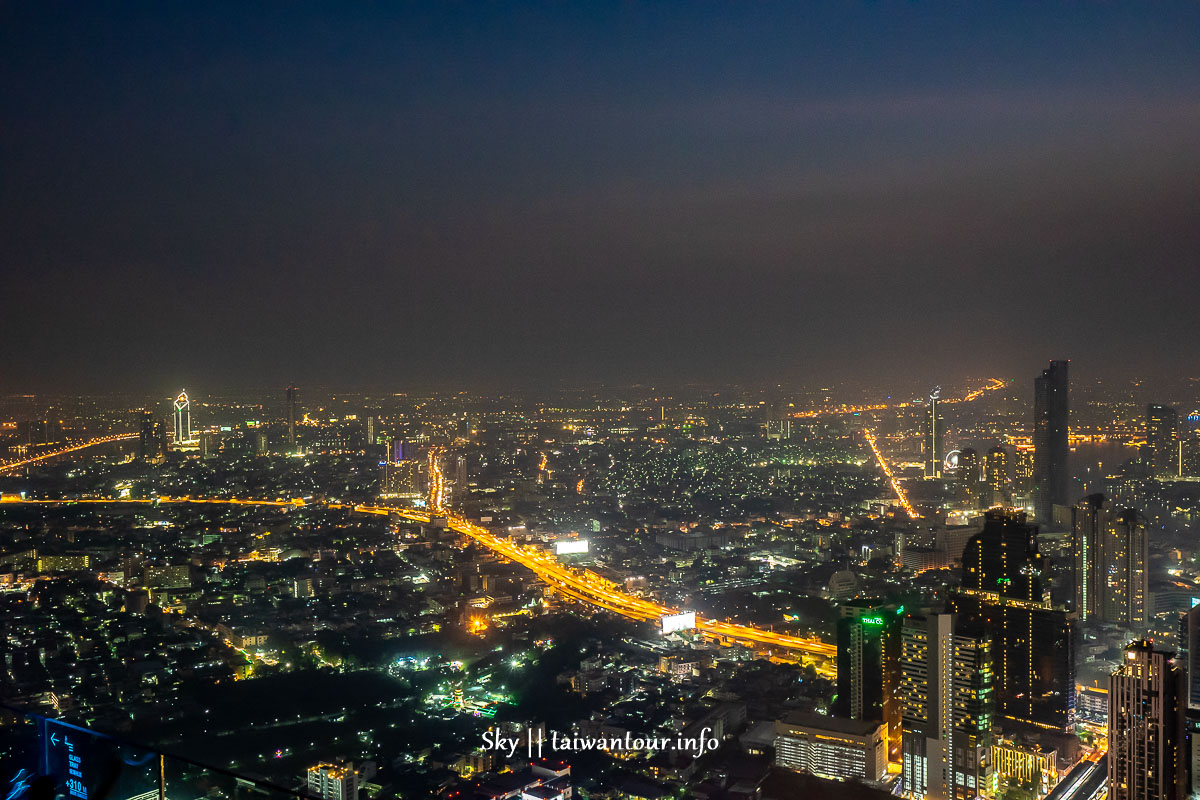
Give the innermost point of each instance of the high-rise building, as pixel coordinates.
(370, 434)
(1051, 444)
(868, 659)
(779, 420)
(946, 692)
(1003, 560)
(183, 419)
(1164, 454)
(1189, 658)
(459, 489)
(1110, 563)
(1003, 589)
(150, 438)
(403, 479)
(1145, 758)
(968, 477)
(291, 417)
(931, 439)
(997, 475)
(333, 782)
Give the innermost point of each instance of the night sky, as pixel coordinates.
(206, 195)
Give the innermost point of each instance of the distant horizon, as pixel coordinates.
(909, 388)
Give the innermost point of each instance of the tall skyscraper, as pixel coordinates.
(1189, 657)
(149, 438)
(998, 475)
(1144, 726)
(946, 696)
(1051, 445)
(1032, 641)
(868, 682)
(1164, 456)
(931, 440)
(369, 434)
(1110, 563)
(968, 476)
(183, 419)
(291, 416)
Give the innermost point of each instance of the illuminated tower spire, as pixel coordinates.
(183, 418)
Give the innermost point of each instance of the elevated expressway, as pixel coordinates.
(10, 466)
(582, 585)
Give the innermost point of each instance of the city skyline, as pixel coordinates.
(628, 401)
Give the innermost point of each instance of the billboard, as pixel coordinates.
(679, 622)
(570, 546)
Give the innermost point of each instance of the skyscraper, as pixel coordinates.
(149, 438)
(997, 475)
(1163, 453)
(183, 419)
(968, 477)
(868, 682)
(946, 697)
(1032, 642)
(291, 416)
(1189, 657)
(1110, 563)
(1051, 445)
(1144, 726)
(931, 440)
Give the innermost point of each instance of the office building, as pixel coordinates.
(1051, 445)
(1189, 660)
(1109, 571)
(1144, 726)
(403, 479)
(968, 477)
(831, 747)
(868, 660)
(369, 434)
(1164, 453)
(1004, 590)
(946, 694)
(183, 419)
(998, 477)
(931, 439)
(333, 782)
(150, 438)
(291, 418)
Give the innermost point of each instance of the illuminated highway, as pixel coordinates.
(582, 585)
(62, 451)
(892, 479)
(992, 385)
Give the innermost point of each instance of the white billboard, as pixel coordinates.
(679, 622)
(569, 546)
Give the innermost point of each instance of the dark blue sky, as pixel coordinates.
(455, 194)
